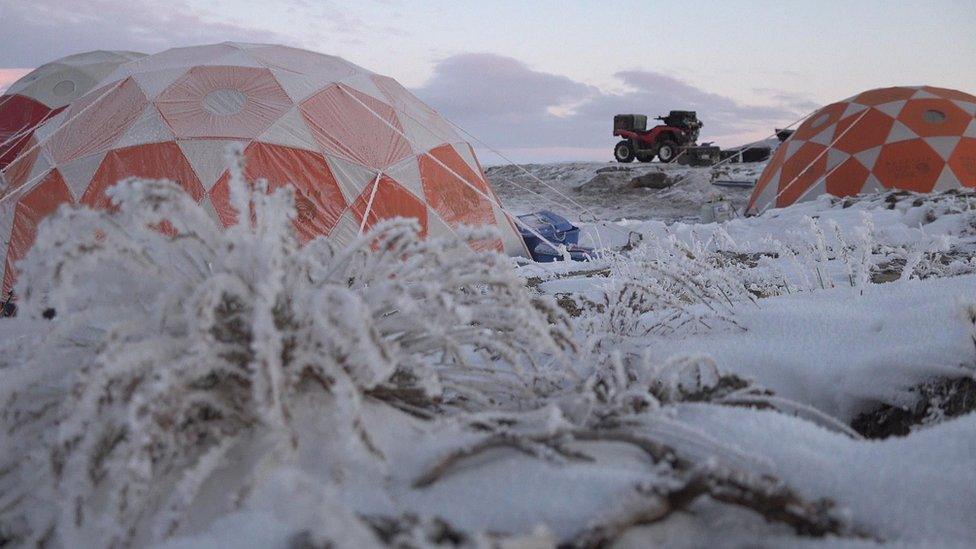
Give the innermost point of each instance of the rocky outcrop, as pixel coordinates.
(652, 180)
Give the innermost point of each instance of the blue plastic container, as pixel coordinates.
(544, 253)
(552, 227)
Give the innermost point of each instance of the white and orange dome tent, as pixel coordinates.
(46, 90)
(919, 139)
(357, 146)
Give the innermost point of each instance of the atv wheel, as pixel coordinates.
(667, 151)
(624, 152)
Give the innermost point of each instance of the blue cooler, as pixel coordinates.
(552, 227)
(544, 253)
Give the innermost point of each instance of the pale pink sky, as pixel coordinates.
(9, 76)
(542, 80)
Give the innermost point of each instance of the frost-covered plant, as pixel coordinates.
(665, 286)
(812, 258)
(173, 339)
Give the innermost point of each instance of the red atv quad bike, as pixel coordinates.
(666, 141)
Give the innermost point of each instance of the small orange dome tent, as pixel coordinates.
(45, 91)
(919, 139)
(356, 146)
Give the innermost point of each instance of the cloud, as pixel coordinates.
(483, 85)
(794, 100)
(38, 31)
(535, 115)
(9, 76)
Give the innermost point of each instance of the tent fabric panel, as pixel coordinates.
(512, 243)
(511, 239)
(869, 157)
(355, 126)
(18, 172)
(155, 82)
(32, 208)
(78, 173)
(301, 73)
(60, 82)
(328, 68)
(899, 132)
(892, 109)
(19, 115)
(947, 180)
(437, 227)
(769, 177)
(862, 131)
(911, 165)
(7, 214)
(819, 121)
(425, 128)
(351, 177)
(764, 195)
(967, 107)
(884, 95)
(208, 158)
(148, 128)
(237, 58)
(950, 119)
(61, 87)
(300, 87)
(388, 201)
(825, 137)
(95, 122)
(150, 161)
(346, 229)
(407, 174)
(28, 168)
(318, 201)
(801, 171)
(363, 83)
(943, 145)
(836, 158)
(971, 130)
(290, 130)
(50, 126)
(847, 179)
(963, 162)
(421, 138)
(223, 102)
(465, 151)
(451, 197)
(947, 93)
(176, 58)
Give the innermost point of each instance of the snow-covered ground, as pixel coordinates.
(603, 190)
(698, 390)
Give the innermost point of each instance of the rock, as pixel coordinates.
(606, 181)
(937, 400)
(651, 180)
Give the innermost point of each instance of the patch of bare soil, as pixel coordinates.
(937, 401)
